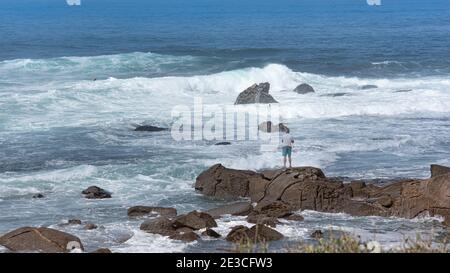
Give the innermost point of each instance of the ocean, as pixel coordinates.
(74, 81)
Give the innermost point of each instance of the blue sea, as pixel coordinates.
(75, 80)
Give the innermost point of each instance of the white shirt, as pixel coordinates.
(287, 140)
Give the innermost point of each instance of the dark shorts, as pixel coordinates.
(286, 151)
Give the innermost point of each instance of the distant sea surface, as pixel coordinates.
(61, 131)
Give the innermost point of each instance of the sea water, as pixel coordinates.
(74, 81)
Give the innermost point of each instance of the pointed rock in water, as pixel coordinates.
(149, 128)
(304, 88)
(94, 192)
(317, 234)
(30, 239)
(211, 233)
(257, 93)
(437, 170)
(137, 211)
(38, 195)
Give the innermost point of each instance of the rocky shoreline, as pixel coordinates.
(272, 195)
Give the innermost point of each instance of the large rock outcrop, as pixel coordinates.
(257, 93)
(437, 170)
(277, 193)
(31, 239)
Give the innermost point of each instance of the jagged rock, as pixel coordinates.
(161, 225)
(368, 86)
(317, 234)
(269, 127)
(94, 192)
(304, 88)
(195, 220)
(437, 170)
(211, 233)
(257, 93)
(149, 128)
(222, 182)
(102, 250)
(258, 233)
(137, 211)
(241, 208)
(30, 239)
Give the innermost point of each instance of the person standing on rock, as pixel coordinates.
(287, 141)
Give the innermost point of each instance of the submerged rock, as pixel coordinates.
(437, 170)
(304, 88)
(211, 233)
(74, 222)
(185, 237)
(137, 211)
(38, 195)
(94, 192)
(368, 86)
(223, 143)
(30, 239)
(90, 226)
(257, 93)
(149, 128)
(102, 250)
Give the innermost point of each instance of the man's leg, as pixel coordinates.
(290, 161)
(284, 161)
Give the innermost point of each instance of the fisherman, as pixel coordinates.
(287, 141)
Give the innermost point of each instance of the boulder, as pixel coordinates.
(94, 192)
(149, 128)
(368, 86)
(137, 211)
(185, 237)
(277, 209)
(241, 208)
(211, 233)
(257, 93)
(262, 219)
(317, 234)
(222, 182)
(74, 222)
(31, 239)
(269, 127)
(304, 88)
(161, 225)
(90, 226)
(257, 234)
(195, 220)
(437, 170)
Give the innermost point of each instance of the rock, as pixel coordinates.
(149, 128)
(223, 143)
(185, 237)
(403, 91)
(257, 93)
(437, 170)
(211, 233)
(269, 127)
(94, 192)
(30, 239)
(38, 195)
(385, 201)
(195, 220)
(74, 222)
(257, 234)
(161, 225)
(262, 219)
(368, 86)
(184, 230)
(359, 189)
(241, 208)
(277, 209)
(90, 226)
(102, 250)
(339, 94)
(137, 211)
(222, 182)
(317, 234)
(295, 217)
(304, 88)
